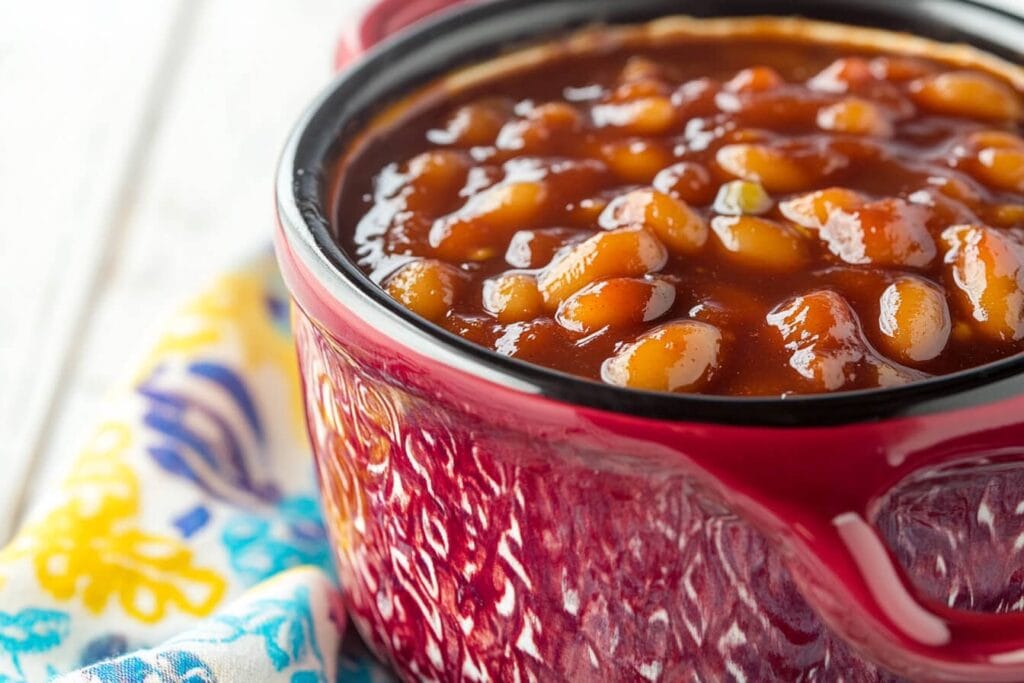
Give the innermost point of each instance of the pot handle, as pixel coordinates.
(847, 572)
(379, 21)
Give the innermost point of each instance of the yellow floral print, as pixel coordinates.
(89, 546)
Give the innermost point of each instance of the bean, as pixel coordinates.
(760, 243)
(995, 138)
(696, 98)
(626, 252)
(754, 79)
(1006, 215)
(615, 303)
(640, 69)
(999, 161)
(956, 188)
(526, 136)
(640, 78)
(686, 180)
(827, 345)
(566, 179)
(557, 116)
(813, 210)
(1002, 168)
(943, 210)
(742, 197)
(967, 93)
(476, 231)
(434, 177)
(637, 89)
(426, 287)
(678, 226)
(513, 297)
(473, 125)
(987, 266)
(898, 68)
(889, 232)
(856, 117)
(521, 136)
(651, 115)
(914, 319)
(842, 75)
(635, 161)
(678, 356)
(773, 168)
(540, 129)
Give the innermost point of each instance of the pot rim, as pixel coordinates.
(387, 72)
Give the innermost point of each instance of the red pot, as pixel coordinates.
(498, 521)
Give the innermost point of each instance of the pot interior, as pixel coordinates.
(476, 32)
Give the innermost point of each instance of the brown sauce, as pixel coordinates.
(738, 217)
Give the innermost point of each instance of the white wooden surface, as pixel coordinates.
(137, 147)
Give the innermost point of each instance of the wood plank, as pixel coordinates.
(75, 82)
(205, 194)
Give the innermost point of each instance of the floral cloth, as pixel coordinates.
(186, 543)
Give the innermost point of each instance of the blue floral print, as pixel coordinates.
(292, 535)
(219, 451)
(175, 666)
(284, 625)
(30, 631)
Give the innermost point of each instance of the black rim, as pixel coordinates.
(477, 31)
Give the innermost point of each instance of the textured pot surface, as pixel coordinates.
(471, 548)
(493, 523)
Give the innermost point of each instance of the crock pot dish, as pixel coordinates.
(742, 210)
(738, 207)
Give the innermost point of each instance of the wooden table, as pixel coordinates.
(138, 141)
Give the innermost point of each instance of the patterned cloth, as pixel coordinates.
(186, 543)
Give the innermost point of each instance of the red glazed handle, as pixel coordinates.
(846, 571)
(841, 563)
(815, 491)
(381, 19)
